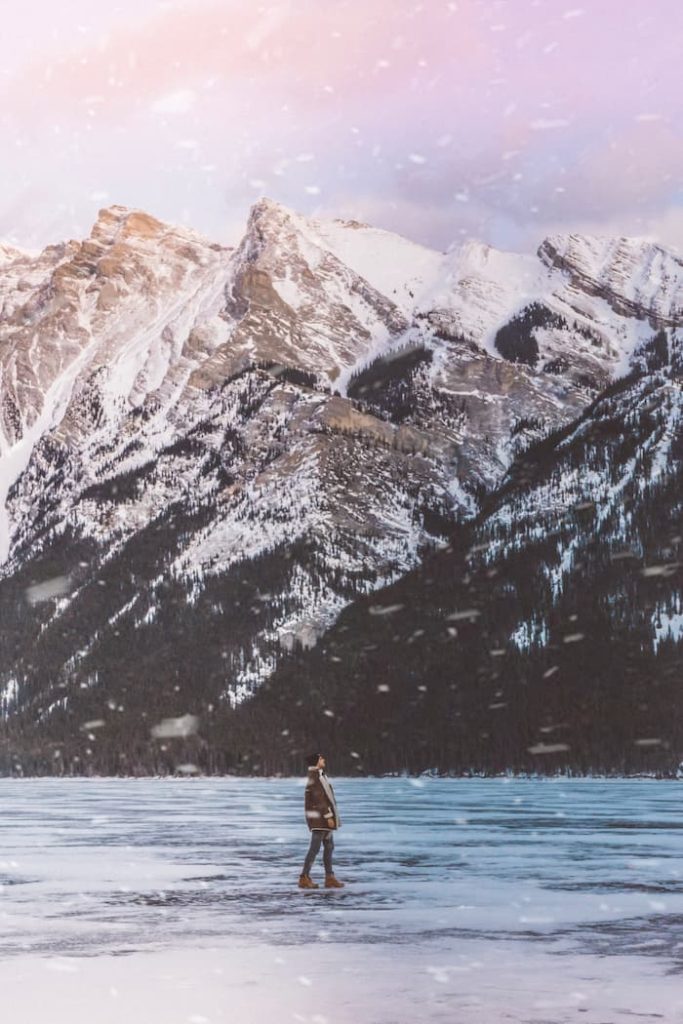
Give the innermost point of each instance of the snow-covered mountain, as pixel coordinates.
(206, 453)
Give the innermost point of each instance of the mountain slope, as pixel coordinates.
(548, 635)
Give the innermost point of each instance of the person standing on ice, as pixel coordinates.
(322, 818)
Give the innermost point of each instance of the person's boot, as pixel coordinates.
(333, 883)
(306, 882)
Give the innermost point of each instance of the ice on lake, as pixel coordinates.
(497, 900)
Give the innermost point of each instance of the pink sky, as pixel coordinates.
(501, 119)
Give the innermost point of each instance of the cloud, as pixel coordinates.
(441, 118)
(290, 50)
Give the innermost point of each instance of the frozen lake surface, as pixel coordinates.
(467, 900)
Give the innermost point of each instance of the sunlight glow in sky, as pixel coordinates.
(500, 119)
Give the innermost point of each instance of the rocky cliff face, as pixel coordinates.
(214, 451)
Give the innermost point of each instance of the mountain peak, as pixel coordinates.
(114, 221)
(271, 223)
(271, 209)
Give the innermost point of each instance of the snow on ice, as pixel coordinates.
(466, 900)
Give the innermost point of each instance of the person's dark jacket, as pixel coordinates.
(320, 804)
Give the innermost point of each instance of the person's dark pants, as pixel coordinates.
(318, 836)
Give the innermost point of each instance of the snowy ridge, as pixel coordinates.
(633, 275)
(481, 288)
(398, 268)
